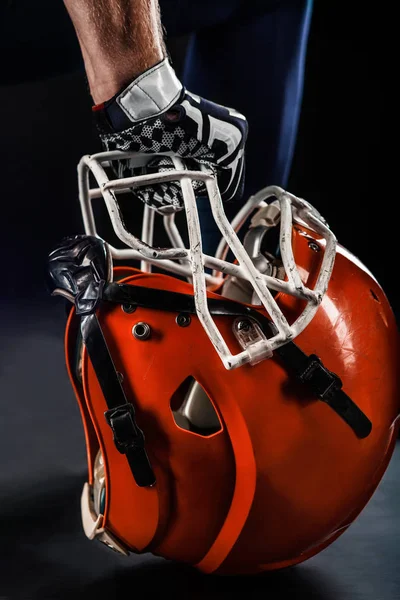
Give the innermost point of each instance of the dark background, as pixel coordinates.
(339, 163)
(339, 166)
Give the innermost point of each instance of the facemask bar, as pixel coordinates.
(292, 209)
(193, 261)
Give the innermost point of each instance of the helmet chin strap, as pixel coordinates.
(128, 437)
(80, 267)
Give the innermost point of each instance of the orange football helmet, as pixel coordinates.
(238, 420)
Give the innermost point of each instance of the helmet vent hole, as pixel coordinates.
(193, 410)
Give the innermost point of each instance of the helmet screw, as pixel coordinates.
(120, 377)
(183, 320)
(314, 247)
(243, 326)
(141, 331)
(128, 308)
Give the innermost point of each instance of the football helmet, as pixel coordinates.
(239, 409)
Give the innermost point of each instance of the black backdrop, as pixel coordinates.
(45, 127)
(339, 163)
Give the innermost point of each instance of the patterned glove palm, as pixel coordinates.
(192, 128)
(163, 197)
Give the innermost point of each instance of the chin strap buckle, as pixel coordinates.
(127, 435)
(327, 386)
(324, 383)
(129, 440)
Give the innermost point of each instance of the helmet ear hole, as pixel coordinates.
(193, 410)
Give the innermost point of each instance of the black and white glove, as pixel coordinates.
(154, 115)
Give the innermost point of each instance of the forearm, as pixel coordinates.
(119, 40)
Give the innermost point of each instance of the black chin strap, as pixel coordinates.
(326, 385)
(309, 370)
(128, 437)
(78, 269)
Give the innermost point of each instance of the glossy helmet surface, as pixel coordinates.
(238, 420)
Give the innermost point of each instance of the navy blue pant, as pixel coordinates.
(248, 54)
